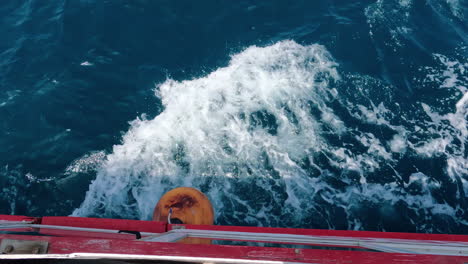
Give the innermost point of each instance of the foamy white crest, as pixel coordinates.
(451, 75)
(242, 135)
(210, 128)
(398, 144)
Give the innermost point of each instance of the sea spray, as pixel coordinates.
(279, 138)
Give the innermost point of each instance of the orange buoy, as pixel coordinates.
(186, 204)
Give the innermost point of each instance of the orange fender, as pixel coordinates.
(189, 205)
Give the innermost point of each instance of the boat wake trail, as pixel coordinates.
(282, 137)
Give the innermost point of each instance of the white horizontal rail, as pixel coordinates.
(166, 237)
(8, 223)
(71, 228)
(382, 244)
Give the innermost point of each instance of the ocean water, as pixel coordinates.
(327, 114)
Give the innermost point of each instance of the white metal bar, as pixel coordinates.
(270, 237)
(8, 223)
(12, 226)
(386, 248)
(424, 248)
(167, 237)
(386, 245)
(70, 228)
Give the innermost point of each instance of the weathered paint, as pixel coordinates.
(35, 220)
(106, 223)
(66, 242)
(66, 245)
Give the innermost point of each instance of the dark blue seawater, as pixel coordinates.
(317, 114)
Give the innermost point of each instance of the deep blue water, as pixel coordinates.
(316, 114)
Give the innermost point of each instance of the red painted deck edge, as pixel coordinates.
(35, 220)
(61, 245)
(106, 223)
(159, 227)
(322, 232)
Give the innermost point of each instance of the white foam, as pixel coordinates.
(398, 144)
(390, 15)
(32, 178)
(86, 164)
(86, 63)
(456, 9)
(209, 136)
(450, 75)
(207, 125)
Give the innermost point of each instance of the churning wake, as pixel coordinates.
(279, 137)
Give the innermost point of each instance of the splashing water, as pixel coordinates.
(212, 130)
(272, 140)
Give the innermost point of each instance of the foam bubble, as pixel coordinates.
(88, 163)
(398, 143)
(86, 64)
(390, 16)
(456, 8)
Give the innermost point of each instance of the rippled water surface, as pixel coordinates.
(316, 114)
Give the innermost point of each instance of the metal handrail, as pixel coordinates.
(385, 245)
(70, 228)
